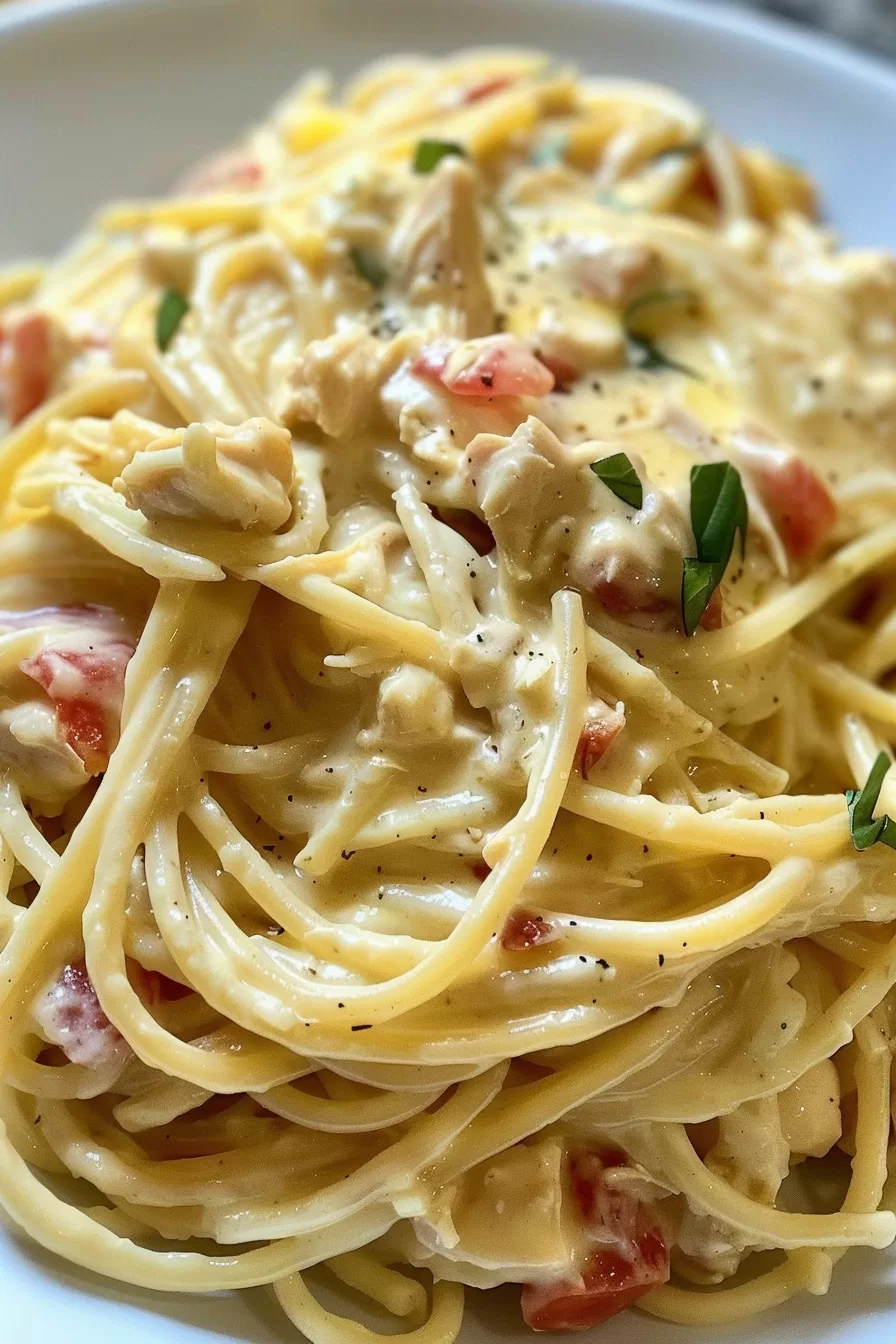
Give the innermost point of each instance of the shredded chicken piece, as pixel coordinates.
(213, 472)
(606, 270)
(439, 252)
(336, 381)
(46, 768)
(168, 257)
(413, 707)
(578, 343)
(810, 1111)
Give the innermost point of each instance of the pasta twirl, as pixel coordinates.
(446, 591)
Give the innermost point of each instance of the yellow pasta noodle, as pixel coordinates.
(446, 698)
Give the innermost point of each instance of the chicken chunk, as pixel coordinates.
(438, 251)
(336, 381)
(413, 708)
(606, 270)
(236, 475)
(46, 768)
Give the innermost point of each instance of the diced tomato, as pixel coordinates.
(620, 598)
(82, 671)
(704, 184)
(484, 88)
(563, 372)
(26, 364)
(631, 1258)
(69, 1015)
(490, 366)
(713, 617)
(468, 525)
(524, 929)
(480, 869)
(799, 503)
(632, 603)
(231, 170)
(596, 738)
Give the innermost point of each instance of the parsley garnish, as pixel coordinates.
(864, 829)
(642, 351)
(550, 151)
(368, 266)
(619, 475)
(430, 152)
(718, 512)
(171, 312)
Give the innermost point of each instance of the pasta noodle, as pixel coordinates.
(447, 581)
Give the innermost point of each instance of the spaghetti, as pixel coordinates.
(447, 586)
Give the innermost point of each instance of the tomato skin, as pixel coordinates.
(524, 929)
(613, 1277)
(84, 678)
(607, 1289)
(488, 366)
(26, 365)
(595, 740)
(800, 504)
(484, 88)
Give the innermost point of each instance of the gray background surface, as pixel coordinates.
(869, 23)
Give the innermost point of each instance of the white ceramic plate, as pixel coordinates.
(104, 98)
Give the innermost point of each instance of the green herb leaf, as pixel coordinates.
(643, 352)
(171, 312)
(718, 510)
(368, 266)
(654, 297)
(718, 513)
(699, 580)
(430, 152)
(864, 829)
(619, 475)
(549, 152)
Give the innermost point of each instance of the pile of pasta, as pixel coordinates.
(447, 631)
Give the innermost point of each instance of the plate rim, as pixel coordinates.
(725, 19)
(823, 53)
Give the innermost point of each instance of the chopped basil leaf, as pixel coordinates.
(643, 353)
(430, 152)
(619, 475)
(368, 266)
(718, 510)
(864, 829)
(653, 297)
(699, 580)
(718, 513)
(171, 312)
